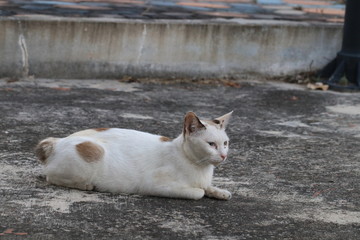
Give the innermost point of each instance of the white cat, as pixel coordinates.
(128, 161)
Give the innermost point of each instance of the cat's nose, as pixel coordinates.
(223, 157)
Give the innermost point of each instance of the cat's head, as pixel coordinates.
(205, 141)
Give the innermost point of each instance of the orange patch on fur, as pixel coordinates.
(165, 139)
(44, 149)
(40, 151)
(90, 152)
(101, 129)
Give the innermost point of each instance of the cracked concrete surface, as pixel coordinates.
(293, 169)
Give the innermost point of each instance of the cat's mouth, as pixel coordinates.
(218, 161)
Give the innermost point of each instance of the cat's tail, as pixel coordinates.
(45, 148)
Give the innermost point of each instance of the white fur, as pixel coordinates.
(140, 163)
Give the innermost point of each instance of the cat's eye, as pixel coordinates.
(212, 144)
(226, 143)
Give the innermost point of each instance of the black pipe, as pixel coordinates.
(344, 71)
(351, 38)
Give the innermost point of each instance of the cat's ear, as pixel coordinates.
(192, 124)
(223, 120)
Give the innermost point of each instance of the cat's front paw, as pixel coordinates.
(197, 193)
(218, 193)
(226, 195)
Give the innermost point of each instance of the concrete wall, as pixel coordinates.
(52, 47)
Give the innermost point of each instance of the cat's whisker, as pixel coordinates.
(204, 159)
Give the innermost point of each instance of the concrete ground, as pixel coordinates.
(293, 168)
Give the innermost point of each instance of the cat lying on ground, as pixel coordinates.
(128, 161)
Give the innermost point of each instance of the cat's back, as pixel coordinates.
(120, 137)
(118, 145)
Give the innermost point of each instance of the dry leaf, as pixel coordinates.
(318, 86)
(9, 231)
(232, 84)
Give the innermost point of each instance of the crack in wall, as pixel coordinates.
(24, 56)
(142, 43)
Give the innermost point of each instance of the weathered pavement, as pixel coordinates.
(293, 170)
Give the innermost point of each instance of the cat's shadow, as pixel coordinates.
(42, 183)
